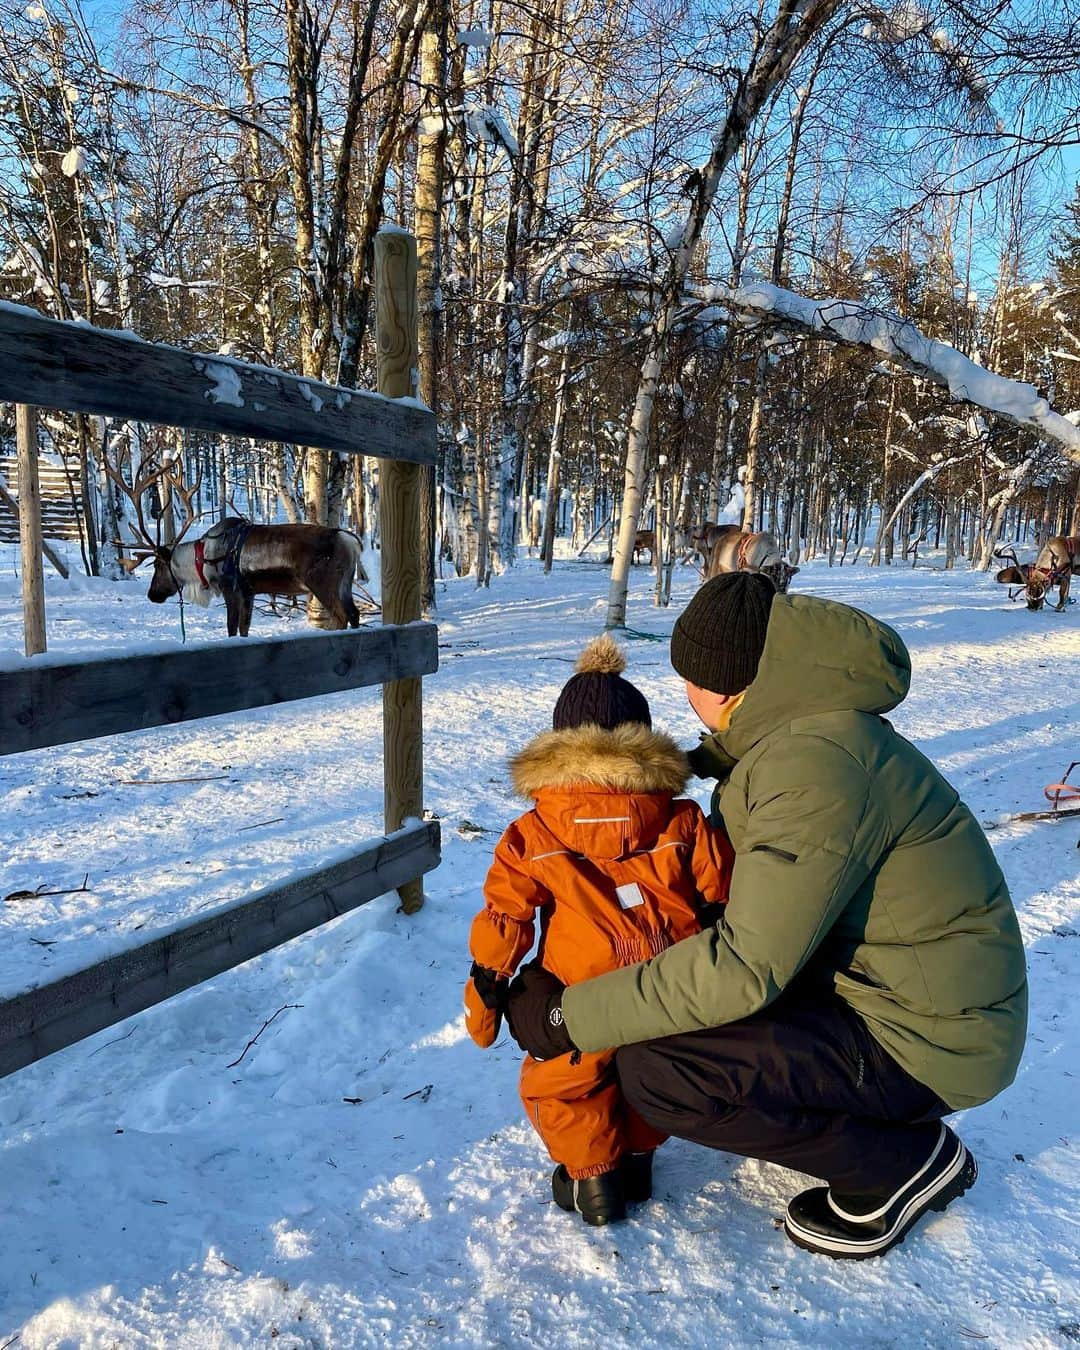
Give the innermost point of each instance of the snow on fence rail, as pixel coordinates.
(57, 364)
(45, 702)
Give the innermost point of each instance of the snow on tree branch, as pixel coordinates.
(900, 342)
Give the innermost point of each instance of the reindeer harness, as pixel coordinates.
(200, 562)
(746, 543)
(1054, 573)
(228, 562)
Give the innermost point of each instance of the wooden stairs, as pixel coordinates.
(61, 518)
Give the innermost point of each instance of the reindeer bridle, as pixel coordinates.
(1052, 574)
(745, 544)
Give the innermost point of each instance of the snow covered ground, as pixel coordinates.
(364, 1176)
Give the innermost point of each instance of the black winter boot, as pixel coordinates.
(636, 1171)
(599, 1200)
(855, 1227)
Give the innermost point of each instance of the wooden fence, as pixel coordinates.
(44, 702)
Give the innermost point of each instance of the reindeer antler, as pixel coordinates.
(130, 564)
(147, 476)
(187, 495)
(1008, 554)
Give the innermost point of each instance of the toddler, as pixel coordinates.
(617, 867)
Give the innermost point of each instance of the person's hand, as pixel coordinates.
(485, 1001)
(708, 759)
(534, 1014)
(710, 913)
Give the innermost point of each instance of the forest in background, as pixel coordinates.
(611, 203)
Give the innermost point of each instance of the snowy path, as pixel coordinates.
(155, 1196)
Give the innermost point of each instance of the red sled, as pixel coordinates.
(1056, 793)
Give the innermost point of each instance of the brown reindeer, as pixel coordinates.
(239, 560)
(645, 539)
(737, 550)
(1058, 561)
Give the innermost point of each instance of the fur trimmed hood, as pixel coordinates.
(631, 758)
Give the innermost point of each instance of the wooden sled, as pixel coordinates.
(1061, 813)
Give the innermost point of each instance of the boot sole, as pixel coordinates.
(602, 1220)
(963, 1176)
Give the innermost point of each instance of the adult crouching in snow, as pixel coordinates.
(867, 977)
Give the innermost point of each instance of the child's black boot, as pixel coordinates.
(599, 1200)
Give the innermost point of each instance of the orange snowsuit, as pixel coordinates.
(617, 870)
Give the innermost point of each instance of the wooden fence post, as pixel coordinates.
(33, 574)
(399, 517)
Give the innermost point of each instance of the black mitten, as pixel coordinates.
(534, 1013)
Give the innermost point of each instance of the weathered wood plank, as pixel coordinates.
(81, 369)
(48, 702)
(44, 1020)
(399, 517)
(30, 540)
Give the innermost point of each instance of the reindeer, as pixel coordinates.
(705, 539)
(1057, 563)
(239, 560)
(645, 539)
(736, 550)
(682, 546)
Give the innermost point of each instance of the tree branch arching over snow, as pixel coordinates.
(898, 341)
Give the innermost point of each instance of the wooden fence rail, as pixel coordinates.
(46, 702)
(55, 1015)
(66, 365)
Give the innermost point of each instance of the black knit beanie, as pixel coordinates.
(597, 694)
(720, 635)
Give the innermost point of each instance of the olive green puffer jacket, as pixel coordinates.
(856, 864)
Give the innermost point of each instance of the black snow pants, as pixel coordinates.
(802, 1083)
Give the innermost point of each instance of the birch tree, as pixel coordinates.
(773, 54)
(430, 154)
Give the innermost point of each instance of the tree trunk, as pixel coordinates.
(875, 561)
(753, 440)
(430, 154)
(774, 54)
(551, 505)
(87, 496)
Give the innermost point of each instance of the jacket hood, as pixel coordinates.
(602, 793)
(819, 657)
(630, 758)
